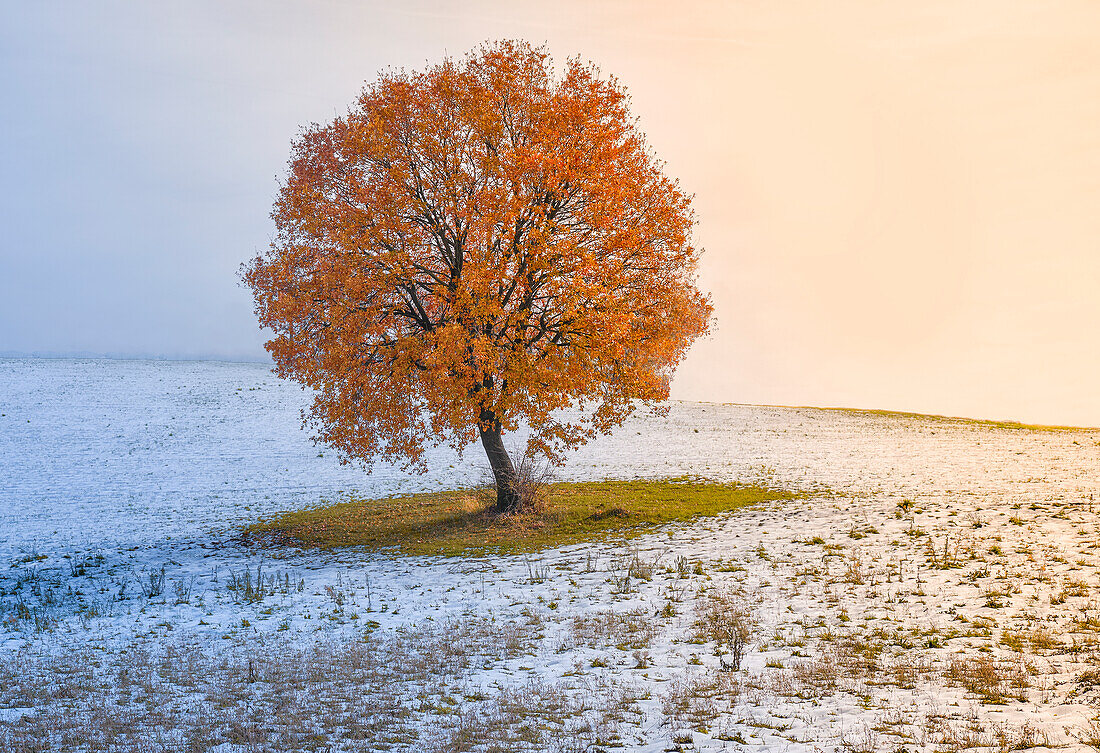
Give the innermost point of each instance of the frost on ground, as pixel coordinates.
(939, 592)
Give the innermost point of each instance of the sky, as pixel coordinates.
(899, 202)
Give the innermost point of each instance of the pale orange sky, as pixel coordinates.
(899, 201)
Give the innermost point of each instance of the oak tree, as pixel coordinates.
(484, 244)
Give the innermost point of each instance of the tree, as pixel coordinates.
(474, 246)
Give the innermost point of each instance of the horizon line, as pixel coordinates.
(999, 422)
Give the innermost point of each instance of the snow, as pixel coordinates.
(114, 470)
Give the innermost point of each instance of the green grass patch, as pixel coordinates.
(957, 420)
(463, 522)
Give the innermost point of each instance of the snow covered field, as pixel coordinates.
(939, 591)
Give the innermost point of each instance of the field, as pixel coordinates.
(928, 584)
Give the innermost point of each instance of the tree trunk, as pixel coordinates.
(504, 473)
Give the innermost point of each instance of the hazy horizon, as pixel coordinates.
(900, 204)
(261, 361)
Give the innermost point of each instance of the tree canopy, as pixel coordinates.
(476, 246)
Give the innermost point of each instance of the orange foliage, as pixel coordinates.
(475, 246)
